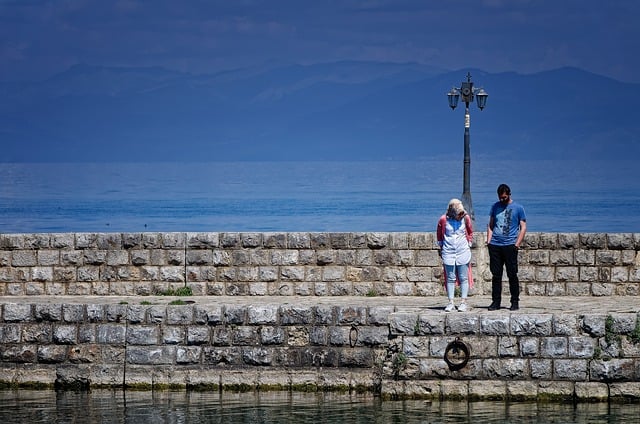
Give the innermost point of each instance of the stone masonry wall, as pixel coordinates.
(517, 356)
(301, 264)
(284, 346)
(235, 347)
(310, 343)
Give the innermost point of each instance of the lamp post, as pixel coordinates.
(468, 93)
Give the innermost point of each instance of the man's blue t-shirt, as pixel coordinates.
(506, 220)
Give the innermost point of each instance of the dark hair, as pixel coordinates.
(504, 189)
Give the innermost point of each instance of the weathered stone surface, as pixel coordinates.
(492, 325)
(552, 264)
(587, 391)
(19, 353)
(142, 335)
(431, 324)
(531, 324)
(222, 356)
(73, 313)
(487, 389)
(179, 314)
(52, 354)
(173, 334)
(48, 312)
(452, 389)
(369, 336)
(558, 390)
(594, 324)
(324, 314)
(568, 369)
(581, 347)
(38, 333)
(462, 324)
(235, 314)
(257, 356)
(296, 315)
(14, 312)
(404, 323)
(198, 335)
(311, 336)
(508, 347)
(10, 333)
(612, 370)
(114, 334)
(553, 347)
(151, 355)
(272, 336)
(625, 391)
(508, 368)
(261, 315)
(65, 334)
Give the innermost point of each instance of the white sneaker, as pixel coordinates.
(462, 307)
(450, 307)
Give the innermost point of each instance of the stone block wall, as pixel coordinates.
(301, 264)
(283, 346)
(213, 346)
(573, 264)
(517, 356)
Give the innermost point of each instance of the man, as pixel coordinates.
(505, 232)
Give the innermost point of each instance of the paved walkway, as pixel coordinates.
(479, 304)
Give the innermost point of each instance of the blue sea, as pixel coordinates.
(398, 196)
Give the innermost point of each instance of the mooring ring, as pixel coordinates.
(456, 355)
(353, 335)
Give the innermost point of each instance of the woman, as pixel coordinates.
(455, 236)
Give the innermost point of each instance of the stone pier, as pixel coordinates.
(317, 312)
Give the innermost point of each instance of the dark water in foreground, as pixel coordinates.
(107, 406)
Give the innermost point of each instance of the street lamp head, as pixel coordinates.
(481, 98)
(454, 96)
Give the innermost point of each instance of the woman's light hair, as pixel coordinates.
(455, 208)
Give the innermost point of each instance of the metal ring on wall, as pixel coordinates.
(353, 336)
(456, 355)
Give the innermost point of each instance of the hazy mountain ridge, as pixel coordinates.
(333, 111)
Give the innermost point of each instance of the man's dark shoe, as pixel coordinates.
(494, 306)
(514, 306)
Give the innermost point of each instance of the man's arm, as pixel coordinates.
(523, 231)
(490, 229)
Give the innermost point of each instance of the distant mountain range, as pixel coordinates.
(333, 111)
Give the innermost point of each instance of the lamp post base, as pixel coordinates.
(468, 206)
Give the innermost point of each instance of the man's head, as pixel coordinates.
(504, 193)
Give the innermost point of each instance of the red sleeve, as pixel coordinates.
(442, 222)
(469, 227)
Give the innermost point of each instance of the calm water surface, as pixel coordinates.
(559, 196)
(106, 406)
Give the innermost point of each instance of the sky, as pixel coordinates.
(39, 38)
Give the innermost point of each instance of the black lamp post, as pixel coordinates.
(468, 93)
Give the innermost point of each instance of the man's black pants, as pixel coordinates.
(507, 257)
